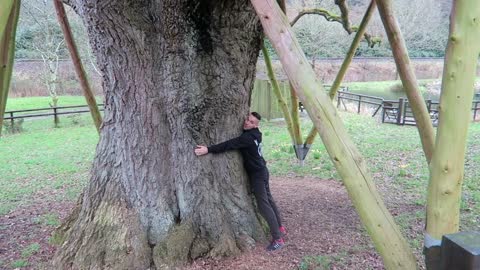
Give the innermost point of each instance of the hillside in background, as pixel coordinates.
(39, 37)
(28, 81)
(424, 25)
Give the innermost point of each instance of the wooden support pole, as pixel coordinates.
(5, 14)
(7, 51)
(346, 62)
(300, 149)
(400, 111)
(348, 161)
(407, 75)
(277, 92)
(77, 63)
(447, 165)
(353, 48)
(297, 135)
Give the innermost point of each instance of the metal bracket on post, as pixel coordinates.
(301, 151)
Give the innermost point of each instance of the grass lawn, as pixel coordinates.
(31, 159)
(56, 162)
(385, 89)
(393, 89)
(44, 102)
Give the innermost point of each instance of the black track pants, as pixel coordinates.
(268, 208)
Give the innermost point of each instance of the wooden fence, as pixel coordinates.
(399, 111)
(390, 111)
(358, 102)
(11, 116)
(265, 102)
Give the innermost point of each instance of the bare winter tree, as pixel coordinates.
(425, 33)
(319, 37)
(176, 73)
(38, 17)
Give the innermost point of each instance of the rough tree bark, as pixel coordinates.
(176, 73)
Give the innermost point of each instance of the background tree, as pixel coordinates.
(42, 38)
(39, 36)
(416, 25)
(417, 28)
(319, 37)
(175, 74)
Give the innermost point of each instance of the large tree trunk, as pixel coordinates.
(176, 74)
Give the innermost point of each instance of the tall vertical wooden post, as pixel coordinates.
(447, 165)
(8, 26)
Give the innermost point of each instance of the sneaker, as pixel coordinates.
(283, 231)
(276, 245)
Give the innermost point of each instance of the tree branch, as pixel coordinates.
(319, 11)
(343, 19)
(342, 4)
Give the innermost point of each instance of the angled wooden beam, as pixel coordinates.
(276, 90)
(297, 132)
(346, 62)
(5, 14)
(77, 63)
(351, 166)
(353, 48)
(300, 150)
(407, 75)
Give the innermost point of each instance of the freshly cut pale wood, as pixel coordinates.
(350, 164)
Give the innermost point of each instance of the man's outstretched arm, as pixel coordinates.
(233, 144)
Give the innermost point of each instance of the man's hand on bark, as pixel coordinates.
(201, 150)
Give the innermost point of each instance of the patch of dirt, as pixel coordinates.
(324, 231)
(27, 226)
(320, 221)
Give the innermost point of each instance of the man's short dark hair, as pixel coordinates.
(257, 115)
